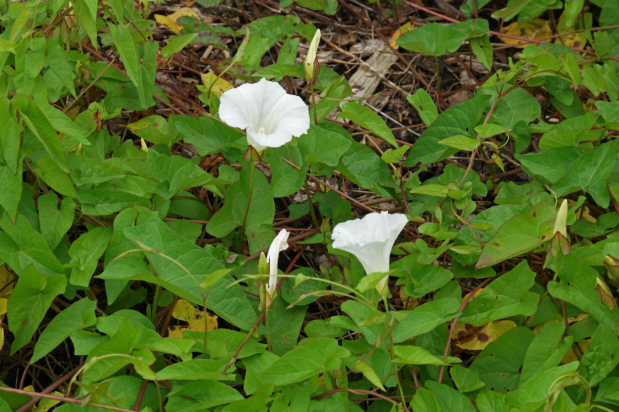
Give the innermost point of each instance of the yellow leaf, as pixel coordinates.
(6, 278)
(470, 337)
(399, 33)
(408, 302)
(3, 303)
(535, 29)
(577, 40)
(570, 356)
(539, 327)
(169, 22)
(578, 318)
(186, 312)
(586, 215)
(45, 405)
(220, 85)
(474, 296)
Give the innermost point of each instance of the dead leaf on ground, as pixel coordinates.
(533, 30)
(471, 337)
(346, 39)
(459, 97)
(169, 22)
(186, 312)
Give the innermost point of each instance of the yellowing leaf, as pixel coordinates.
(474, 296)
(586, 215)
(471, 337)
(186, 312)
(578, 318)
(535, 29)
(577, 40)
(3, 303)
(45, 405)
(220, 85)
(399, 33)
(570, 356)
(6, 278)
(539, 327)
(169, 22)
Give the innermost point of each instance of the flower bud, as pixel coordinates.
(560, 241)
(263, 269)
(311, 66)
(559, 244)
(612, 266)
(383, 287)
(605, 296)
(560, 222)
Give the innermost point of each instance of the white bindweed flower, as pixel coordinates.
(370, 239)
(270, 116)
(279, 244)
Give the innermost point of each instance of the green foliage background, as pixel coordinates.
(101, 237)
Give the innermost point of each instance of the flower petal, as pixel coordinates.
(279, 244)
(270, 115)
(370, 239)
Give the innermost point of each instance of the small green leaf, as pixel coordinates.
(208, 369)
(80, 314)
(176, 44)
(425, 318)
(433, 39)
(312, 357)
(589, 172)
(489, 130)
(213, 278)
(55, 223)
(85, 253)
(461, 143)
(449, 398)
(276, 70)
(519, 235)
(368, 119)
(370, 374)
(41, 127)
(546, 351)
(29, 302)
(424, 104)
(466, 379)
(504, 297)
(431, 190)
(414, 355)
(518, 105)
(483, 50)
(370, 281)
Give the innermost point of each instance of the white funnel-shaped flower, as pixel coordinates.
(279, 244)
(270, 116)
(371, 239)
